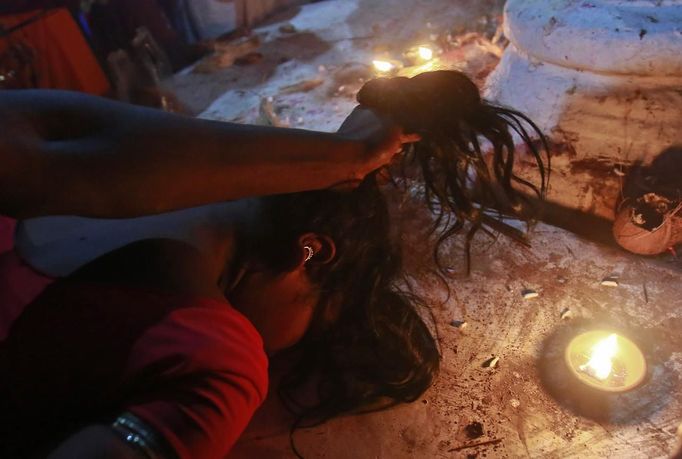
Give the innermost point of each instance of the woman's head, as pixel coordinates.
(362, 339)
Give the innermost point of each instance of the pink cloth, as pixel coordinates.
(6, 233)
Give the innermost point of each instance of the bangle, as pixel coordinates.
(135, 433)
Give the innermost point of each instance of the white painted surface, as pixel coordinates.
(616, 36)
(596, 84)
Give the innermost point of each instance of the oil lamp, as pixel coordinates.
(606, 361)
(384, 66)
(425, 53)
(418, 55)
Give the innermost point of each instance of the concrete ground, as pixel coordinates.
(527, 406)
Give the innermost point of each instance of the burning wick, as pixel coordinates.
(606, 361)
(383, 66)
(601, 362)
(425, 53)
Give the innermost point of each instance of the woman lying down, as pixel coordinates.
(150, 337)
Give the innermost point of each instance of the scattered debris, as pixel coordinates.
(226, 53)
(474, 445)
(301, 86)
(249, 59)
(459, 323)
(288, 28)
(514, 403)
(474, 430)
(528, 294)
(561, 280)
(646, 293)
(566, 314)
(268, 117)
(610, 281)
(491, 362)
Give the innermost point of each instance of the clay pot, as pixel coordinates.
(642, 241)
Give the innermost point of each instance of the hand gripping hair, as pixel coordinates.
(462, 182)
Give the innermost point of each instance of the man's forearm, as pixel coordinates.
(107, 159)
(96, 442)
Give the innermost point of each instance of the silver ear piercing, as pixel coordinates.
(309, 253)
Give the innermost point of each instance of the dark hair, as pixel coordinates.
(379, 351)
(463, 187)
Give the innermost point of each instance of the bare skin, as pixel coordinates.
(68, 153)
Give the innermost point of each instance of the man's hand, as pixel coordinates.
(383, 139)
(96, 442)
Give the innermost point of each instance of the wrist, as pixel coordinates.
(353, 155)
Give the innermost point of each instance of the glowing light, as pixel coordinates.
(425, 53)
(601, 361)
(383, 66)
(606, 361)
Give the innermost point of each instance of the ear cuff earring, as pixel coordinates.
(309, 253)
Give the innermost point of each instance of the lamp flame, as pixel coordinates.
(425, 53)
(601, 362)
(383, 66)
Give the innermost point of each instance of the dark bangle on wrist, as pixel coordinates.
(135, 433)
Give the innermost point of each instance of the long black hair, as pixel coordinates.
(368, 343)
(467, 154)
(379, 349)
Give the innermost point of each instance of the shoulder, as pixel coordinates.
(210, 374)
(161, 264)
(210, 337)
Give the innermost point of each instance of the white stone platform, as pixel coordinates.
(603, 79)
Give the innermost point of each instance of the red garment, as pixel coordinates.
(193, 369)
(7, 226)
(63, 59)
(19, 283)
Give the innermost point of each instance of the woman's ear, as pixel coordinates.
(315, 248)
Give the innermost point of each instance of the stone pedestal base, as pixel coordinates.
(603, 79)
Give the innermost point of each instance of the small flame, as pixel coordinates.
(425, 53)
(383, 66)
(600, 363)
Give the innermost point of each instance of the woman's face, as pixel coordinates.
(280, 306)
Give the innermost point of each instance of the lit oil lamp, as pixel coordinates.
(606, 361)
(418, 55)
(383, 66)
(425, 53)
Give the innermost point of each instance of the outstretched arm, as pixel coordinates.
(69, 153)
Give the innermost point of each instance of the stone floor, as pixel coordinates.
(527, 405)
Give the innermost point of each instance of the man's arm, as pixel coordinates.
(97, 442)
(69, 153)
